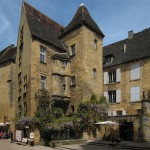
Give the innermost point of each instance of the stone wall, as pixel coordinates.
(7, 92)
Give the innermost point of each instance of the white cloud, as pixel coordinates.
(4, 23)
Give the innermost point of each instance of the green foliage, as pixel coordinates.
(93, 97)
(54, 124)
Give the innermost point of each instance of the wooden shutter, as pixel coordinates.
(114, 113)
(105, 77)
(109, 112)
(135, 71)
(124, 112)
(106, 94)
(118, 75)
(118, 96)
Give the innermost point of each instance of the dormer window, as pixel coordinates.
(109, 59)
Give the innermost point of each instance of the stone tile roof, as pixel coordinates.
(43, 27)
(81, 17)
(136, 48)
(9, 53)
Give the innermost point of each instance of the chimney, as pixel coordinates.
(130, 34)
(124, 47)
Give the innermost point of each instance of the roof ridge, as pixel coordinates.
(43, 14)
(127, 38)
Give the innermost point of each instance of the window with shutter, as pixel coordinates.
(118, 75)
(114, 113)
(135, 71)
(135, 93)
(105, 77)
(118, 97)
(109, 112)
(106, 94)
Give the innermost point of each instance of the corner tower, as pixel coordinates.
(84, 40)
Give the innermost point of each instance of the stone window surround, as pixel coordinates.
(42, 54)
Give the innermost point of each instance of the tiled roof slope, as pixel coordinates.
(136, 48)
(9, 53)
(82, 16)
(43, 27)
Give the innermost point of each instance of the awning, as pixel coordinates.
(4, 124)
(106, 122)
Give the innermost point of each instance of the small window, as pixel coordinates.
(64, 87)
(135, 71)
(94, 72)
(43, 54)
(72, 108)
(112, 96)
(73, 81)
(135, 93)
(112, 76)
(65, 63)
(95, 44)
(43, 82)
(73, 49)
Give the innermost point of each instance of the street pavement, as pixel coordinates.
(93, 145)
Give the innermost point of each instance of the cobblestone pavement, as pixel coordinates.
(6, 145)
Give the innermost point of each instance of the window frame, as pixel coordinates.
(112, 76)
(73, 50)
(113, 97)
(95, 43)
(43, 82)
(42, 54)
(73, 81)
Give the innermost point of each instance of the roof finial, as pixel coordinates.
(82, 5)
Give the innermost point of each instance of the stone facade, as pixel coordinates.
(7, 86)
(131, 110)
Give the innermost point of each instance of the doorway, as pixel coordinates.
(126, 131)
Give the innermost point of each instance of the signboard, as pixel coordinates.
(18, 135)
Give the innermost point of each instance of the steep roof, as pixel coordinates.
(81, 17)
(43, 27)
(9, 53)
(136, 48)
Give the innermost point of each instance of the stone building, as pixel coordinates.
(126, 76)
(71, 64)
(61, 59)
(7, 85)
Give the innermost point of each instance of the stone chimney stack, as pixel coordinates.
(130, 34)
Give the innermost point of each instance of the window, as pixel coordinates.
(94, 72)
(73, 81)
(64, 87)
(135, 93)
(112, 76)
(108, 60)
(119, 113)
(43, 82)
(65, 63)
(112, 96)
(73, 49)
(95, 44)
(135, 71)
(43, 54)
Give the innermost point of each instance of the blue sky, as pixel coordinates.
(114, 17)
